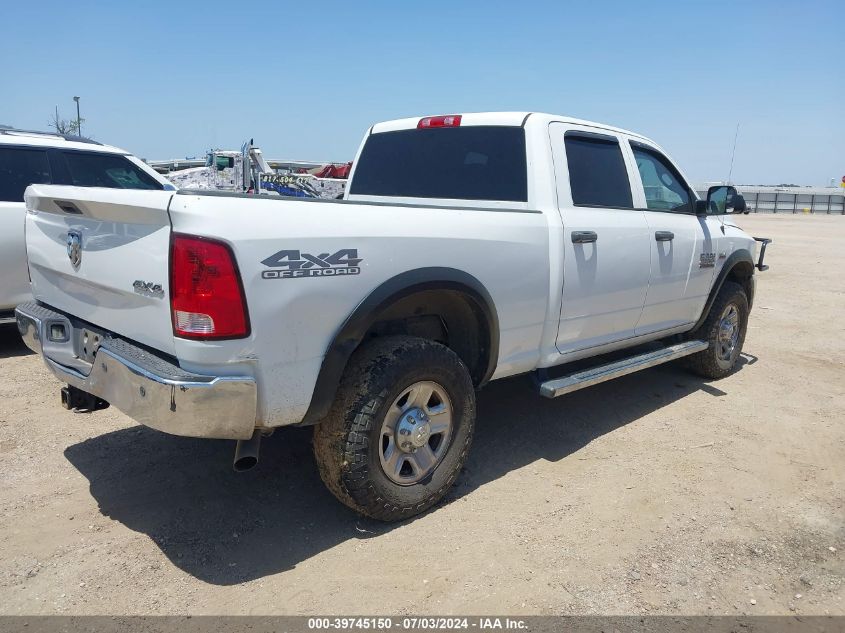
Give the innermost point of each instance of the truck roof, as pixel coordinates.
(500, 118)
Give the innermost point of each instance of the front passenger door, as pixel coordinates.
(681, 244)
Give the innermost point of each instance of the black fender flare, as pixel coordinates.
(353, 330)
(738, 256)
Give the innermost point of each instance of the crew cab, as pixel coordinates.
(467, 248)
(28, 157)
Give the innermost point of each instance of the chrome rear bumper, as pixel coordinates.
(147, 387)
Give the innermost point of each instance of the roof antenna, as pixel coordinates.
(733, 153)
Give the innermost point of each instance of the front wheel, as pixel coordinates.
(400, 428)
(724, 331)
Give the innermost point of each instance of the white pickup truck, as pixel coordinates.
(468, 248)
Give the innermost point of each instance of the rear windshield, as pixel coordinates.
(465, 163)
(88, 169)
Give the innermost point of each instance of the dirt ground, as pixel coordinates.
(655, 493)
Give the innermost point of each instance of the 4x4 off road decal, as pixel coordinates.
(296, 264)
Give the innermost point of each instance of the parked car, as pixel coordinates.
(44, 158)
(468, 248)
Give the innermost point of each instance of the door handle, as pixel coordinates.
(664, 236)
(584, 237)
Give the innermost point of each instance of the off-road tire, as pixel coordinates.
(707, 362)
(347, 443)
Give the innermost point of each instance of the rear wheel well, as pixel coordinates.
(441, 304)
(451, 317)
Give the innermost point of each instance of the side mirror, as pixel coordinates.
(721, 200)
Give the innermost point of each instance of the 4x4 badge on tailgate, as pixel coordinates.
(74, 248)
(148, 288)
(296, 264)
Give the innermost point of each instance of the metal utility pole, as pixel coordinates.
(79, 122)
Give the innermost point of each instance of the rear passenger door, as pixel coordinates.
(606, 240)
(682, 257)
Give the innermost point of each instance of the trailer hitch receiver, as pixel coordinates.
(75, 399)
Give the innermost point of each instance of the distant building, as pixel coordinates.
(787, 199)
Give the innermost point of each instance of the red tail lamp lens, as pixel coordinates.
(206, 295)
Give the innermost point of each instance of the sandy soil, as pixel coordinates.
(656, 493)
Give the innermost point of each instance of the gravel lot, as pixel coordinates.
(655, 493)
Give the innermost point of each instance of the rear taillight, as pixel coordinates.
(206, 295)
(448, 120)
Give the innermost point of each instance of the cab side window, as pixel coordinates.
(664, 188)
(597, 174)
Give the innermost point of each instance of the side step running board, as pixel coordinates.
(595, 375)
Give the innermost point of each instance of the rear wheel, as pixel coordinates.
(724, 330)
(400, 428)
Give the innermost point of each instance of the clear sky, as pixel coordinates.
(305, 79)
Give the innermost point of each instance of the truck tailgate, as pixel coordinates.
(102, 255)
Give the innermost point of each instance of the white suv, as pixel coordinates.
(43, 158)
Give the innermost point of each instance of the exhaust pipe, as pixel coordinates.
(246, 453)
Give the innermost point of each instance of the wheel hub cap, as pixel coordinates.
(415, 433)
(413, 430)
(728, 332)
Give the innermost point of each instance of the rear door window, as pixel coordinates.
(597, 174)
(19, 168)
(114, 171)
(463, 163)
